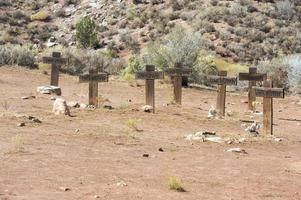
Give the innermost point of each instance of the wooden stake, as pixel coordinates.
(177, 73)
(149, 75)
(56, 61)
(93, 78)
(222, 80)
(268, 93)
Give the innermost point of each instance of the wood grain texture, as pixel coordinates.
(268, 111)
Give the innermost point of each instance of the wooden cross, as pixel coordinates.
(149, 75)
(268, 93)
(177, 73)
(252, 77)
(222, 80)
(93, 78)
(56, 61)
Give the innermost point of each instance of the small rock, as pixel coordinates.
(73, 104)
(253, 128)
(121, 184)
(60, 107)
(76, 130)
(109, 107)
(34, 119)
(28, 97)
(278, 139)
(65, 189)
(212, 112)
(52, 98)
(145, 155)
(147, 108)
(83, 106)
(160, 149)
(21, 124)
(49, 89)
(237, 150)
(96, 196)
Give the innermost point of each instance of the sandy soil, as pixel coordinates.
(37, 160)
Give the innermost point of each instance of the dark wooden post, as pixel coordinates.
(56, 61)
(176, 74)
(268, 93)
(222, 80)
(93, 78)
(149, 75)
(252, 77)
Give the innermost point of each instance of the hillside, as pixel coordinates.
(241, 31)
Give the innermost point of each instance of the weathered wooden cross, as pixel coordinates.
(177, 73)
(268, 93)
(93, 78)
(56, 61)
(149, 75)
(222, 80)
(252, 77)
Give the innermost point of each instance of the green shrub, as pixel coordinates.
(17, 55)
(175, 184)
(86, 32)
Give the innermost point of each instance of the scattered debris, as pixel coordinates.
(205, 136)
(60, 107)
(147, 108)
(145, 155)
(212, 112)
(49, 89)
(52, 98)
(237, 150)
(28, 97)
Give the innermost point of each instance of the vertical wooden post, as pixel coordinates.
(221, 96)
(55, 70)
(267, 110)
(177, 82)
(93, 89)
(150, 88)
(251, 93)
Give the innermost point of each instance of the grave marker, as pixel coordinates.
(149, 75)
(56, 62)
(222, 80)
(268, 93)
(93, 78)
(177, 73)
(252, 77)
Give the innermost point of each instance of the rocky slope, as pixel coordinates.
(242, 31)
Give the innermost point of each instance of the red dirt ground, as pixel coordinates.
(38, 159)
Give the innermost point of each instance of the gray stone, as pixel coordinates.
(49, 89)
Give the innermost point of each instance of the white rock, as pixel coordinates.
(83, 106)
(73, 104)
(212, 112)
(49, 89)
(237, 150)
(253, 128)
(278, 139)
(121, 184)
(147, 108)
(60, 107)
